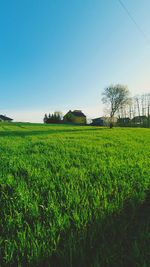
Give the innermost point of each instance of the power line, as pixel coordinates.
(134, 21)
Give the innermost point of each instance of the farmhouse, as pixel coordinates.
(4, 118)
(75, 117)
(98, 121)
(139, 119)
(101, 121)
(123, 121)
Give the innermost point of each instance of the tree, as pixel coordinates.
(58, 115)
(116, 96)
(55, 117)
(45, 118)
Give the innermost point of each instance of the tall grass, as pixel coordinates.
(74, 196)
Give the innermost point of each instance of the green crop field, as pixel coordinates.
(73, 196)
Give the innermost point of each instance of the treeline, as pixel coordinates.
(55, 117)
(128, 111)
(121, 109)
(136, 112)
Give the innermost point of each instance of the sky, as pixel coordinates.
(61, 54)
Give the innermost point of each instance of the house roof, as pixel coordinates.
(4, 118)
(100, 118)
(143, 117)
(97, 119)
(77, 113)
(136, 118)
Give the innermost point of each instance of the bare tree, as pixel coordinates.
(115, 96)
(148, 109)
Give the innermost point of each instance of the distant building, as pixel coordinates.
(139, 119)
(75, 117)
(123, 121)
(4, 118)
(101, 121)
(98, 121)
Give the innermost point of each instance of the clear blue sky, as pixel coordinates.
(61, 54)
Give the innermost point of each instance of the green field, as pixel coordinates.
(74, 196)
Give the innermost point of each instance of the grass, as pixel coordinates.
(74, 196)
